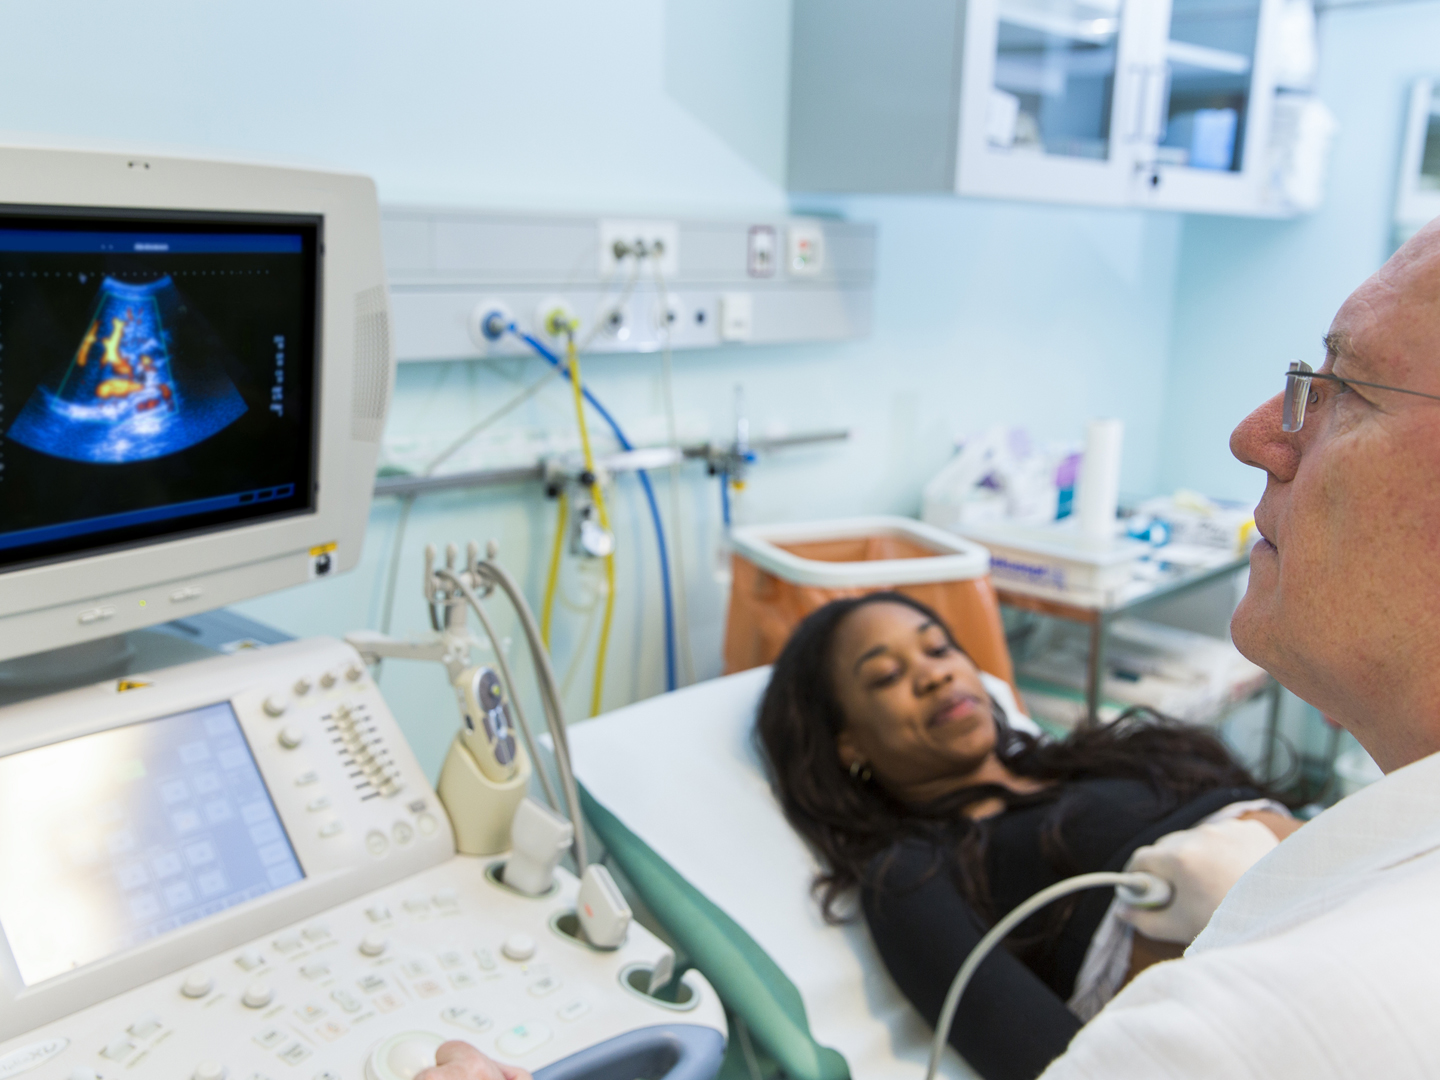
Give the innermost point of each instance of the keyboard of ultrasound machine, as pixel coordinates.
(446, 951)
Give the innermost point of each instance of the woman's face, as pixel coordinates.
(916, 713)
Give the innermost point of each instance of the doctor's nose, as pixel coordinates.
(1260, 441)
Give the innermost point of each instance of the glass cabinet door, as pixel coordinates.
(1055, 65)
(1209, 63)
(1429, 176)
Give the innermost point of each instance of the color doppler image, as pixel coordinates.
(130, 390)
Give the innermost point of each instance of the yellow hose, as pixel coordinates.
(552, 579)
(572, 357)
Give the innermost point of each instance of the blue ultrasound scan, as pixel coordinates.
(126, 394)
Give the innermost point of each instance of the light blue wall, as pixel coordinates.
(985, 312)
(1251, 295)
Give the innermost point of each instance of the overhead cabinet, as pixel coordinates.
(1163, 103)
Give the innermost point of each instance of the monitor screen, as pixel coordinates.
(157, 376)
(113, 838)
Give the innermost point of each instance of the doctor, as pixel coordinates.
(1324, 960)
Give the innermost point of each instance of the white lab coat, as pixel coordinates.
(1322, 963)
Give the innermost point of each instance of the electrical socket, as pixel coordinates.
(619, 238)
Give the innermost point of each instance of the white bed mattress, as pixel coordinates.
(682, 774)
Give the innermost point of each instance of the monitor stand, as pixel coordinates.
(194, 638)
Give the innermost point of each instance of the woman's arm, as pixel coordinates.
(1010, 1025)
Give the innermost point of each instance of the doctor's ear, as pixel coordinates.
(849, 754)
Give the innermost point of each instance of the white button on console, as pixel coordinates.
(84, 1073)
(275, 705)
(197, 984)
(305, 779)
(427, 823)
(402, 833)
(522, 1038)
(518, 947)
(250, 959)
(291, 736)
(376, 842)
(209, 1070)
(332, 828)
(320, 802)
(118, 1049)
(315, 932)
(146, 1026)
(446, 898)
(573, 1011)
(257, 996)
(373, 945)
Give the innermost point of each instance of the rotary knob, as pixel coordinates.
(302, 686)
(209, 1070)
(518, 947)
(373, 945)
(275, 705)
(353, 672)
(257, 996)
(197, 984)
(401, 1056)
(327, 680)
(291, 736)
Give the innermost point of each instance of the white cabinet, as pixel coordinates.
(1209, 149)
(1163, 103)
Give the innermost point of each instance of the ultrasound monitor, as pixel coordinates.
(194, 372)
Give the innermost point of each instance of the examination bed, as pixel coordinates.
(675, 790)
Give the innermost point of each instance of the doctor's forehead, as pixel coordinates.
(1388, 330)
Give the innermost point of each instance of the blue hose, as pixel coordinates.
(625, 444)
(725, 497)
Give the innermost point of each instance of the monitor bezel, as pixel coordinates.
(81, 599)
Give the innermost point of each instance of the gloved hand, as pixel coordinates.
(1202, 864)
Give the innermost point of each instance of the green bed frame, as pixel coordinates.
(749, 983)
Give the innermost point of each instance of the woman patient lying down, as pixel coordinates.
(897, 766)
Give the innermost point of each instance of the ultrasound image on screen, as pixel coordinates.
(114, 838)
(156, 377)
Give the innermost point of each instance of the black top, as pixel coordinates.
(1012, 1021)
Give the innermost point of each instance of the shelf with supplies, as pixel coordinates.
(1105, 619)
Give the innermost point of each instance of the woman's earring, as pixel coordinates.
(859, 771)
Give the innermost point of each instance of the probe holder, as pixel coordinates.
(480, 809)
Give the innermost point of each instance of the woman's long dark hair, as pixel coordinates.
(850, 822)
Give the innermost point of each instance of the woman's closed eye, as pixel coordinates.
(881, 679)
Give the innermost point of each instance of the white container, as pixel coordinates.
(955, 558)
(1057, 560)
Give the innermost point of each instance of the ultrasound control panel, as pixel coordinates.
(236, 870)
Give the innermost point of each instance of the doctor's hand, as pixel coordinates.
(1202, 864)
(457, 1060)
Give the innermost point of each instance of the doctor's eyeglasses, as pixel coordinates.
(1299, 395)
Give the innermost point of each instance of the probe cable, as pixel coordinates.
(682, 599)
(1136, 888)
(572, 355)
(625, 444)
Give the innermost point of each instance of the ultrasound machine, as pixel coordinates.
(234, 868)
